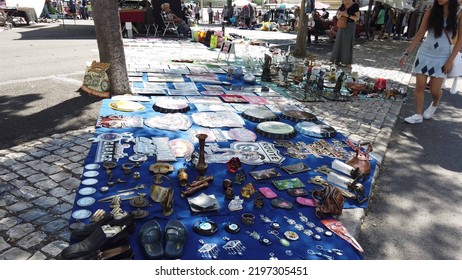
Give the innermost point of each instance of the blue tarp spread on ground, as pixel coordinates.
(222, 216)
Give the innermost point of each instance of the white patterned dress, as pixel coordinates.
(432, 55)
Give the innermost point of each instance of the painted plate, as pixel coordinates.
(109, 137)
(126, 106)
(87, 191)
(86, 201)
(81, 214)
(91, 173)
(89, 182)
(92, 166)
(275, 130)
(181, 147)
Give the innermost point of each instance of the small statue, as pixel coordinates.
(266, 74)
(339, 83)
(320, 83)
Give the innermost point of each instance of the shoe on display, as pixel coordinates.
(416, 118)
(428, 114)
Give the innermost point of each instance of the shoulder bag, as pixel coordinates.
(456, 70)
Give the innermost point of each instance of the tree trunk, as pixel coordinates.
(110, 44)
(300, 43)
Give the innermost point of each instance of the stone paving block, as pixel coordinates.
(28, 192)
(59, 192)
(78, 158)
(18, 166)
(55, 140)
(55, 226)
(7, 199)
(52, 158)
(18, 206)
(44, 220)
(15, 254)
(61, 176)
(3, 245)
(4, 170)
(46, 202)
(5, 187)
(61, 151)
(38, 256)
(9, 222)
(7, 162)
(78, 149)
(54, 248)
(19, 231)
(51, 169)
(74, 168)
(60, 209)
(69, 198)
(33, 214)
(62, 162)
(71, 183)
(26, 172)
(15, 154)
(38, 165)
(33, 239)
(34, 163)
(3, 213)
(46, 185)
(38, 153)
(65, 235)
(8, 176)
(36, 178)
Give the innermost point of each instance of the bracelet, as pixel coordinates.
(247, 219)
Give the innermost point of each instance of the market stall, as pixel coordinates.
(148, 153)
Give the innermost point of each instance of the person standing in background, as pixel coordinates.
(210, 12)
(89, 11)
(379, 22)
(434, 58)
(342, 54)
(197, 13)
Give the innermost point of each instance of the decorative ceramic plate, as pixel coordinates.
(81, 214)
(170, 106)
(181, 147)
(91, 173)
(275, 130)
(172, 122)
(316, 130)
(259, 115)
(92, 166)
(126, 106)
(86, 201)
(87, 191)
(89, 182)
(298, 116)
(242, 134)
(109, 137)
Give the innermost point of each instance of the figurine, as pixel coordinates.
(266, 74)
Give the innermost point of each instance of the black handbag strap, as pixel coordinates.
(447, 36)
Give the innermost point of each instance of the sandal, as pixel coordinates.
(151, 238)
(175, 238)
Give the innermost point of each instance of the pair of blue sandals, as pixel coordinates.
(157, 243)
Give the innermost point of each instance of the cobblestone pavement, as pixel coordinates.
(38, 179)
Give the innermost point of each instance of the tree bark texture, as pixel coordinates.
(110, 44)
(300, 43)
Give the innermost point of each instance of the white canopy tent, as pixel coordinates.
(242, 3)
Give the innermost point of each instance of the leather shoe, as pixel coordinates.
(85, 248)
(84, 232)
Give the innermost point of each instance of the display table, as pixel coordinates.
(254, 249)
(128, 17)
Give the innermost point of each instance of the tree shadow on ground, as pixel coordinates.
(70, 114)
(60, 32)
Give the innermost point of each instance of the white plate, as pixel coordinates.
(87, 191)
(91, 173)
(81, 214)
(92, 166)
(86, 201)
(89, 182)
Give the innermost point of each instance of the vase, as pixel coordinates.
(201, 165)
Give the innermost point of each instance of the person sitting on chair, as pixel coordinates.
(316, 28)
(169, 16)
